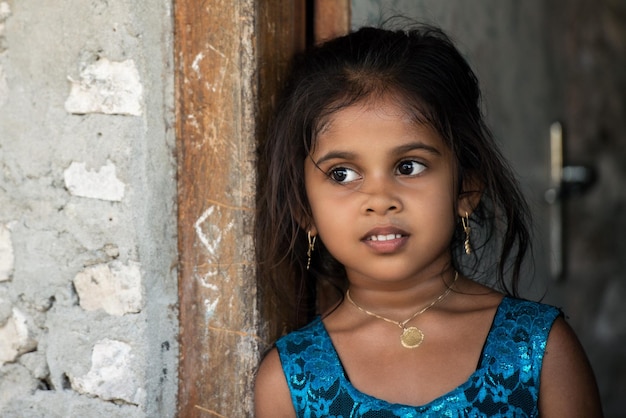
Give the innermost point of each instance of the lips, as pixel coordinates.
(385, 239)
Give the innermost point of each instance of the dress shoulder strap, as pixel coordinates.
(518, 336)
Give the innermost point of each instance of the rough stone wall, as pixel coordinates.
(88, 289)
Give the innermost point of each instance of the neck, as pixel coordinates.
(399, 303)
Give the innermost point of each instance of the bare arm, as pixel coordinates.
(568, 386)
(271, 393)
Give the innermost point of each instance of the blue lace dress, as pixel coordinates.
(505, 383)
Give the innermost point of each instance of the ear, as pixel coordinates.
(312, 229)
(307, 224)
(469, 195)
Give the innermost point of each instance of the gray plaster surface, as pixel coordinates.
(56, 232)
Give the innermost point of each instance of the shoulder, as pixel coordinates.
(271, 393)
(519, 326)
(534, 310)
(533, 319)
(300, 340)
(530, 321)
(568, 386)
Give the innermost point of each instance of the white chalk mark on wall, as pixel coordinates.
(209, 231)
(114, 287)
(7, 257)
(211, 247)
(102, 184)
(107, 87)
(204, 281)
(209, 306)
(111, 376)
(195, 65)
(221, 62)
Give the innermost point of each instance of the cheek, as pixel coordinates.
(438, 210)
(331, 218)
(309, 187)
(321, 208)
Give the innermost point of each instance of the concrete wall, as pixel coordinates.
(88, 282)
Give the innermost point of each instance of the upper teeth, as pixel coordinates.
(384, 237)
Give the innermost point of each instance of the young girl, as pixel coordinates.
(383, 180)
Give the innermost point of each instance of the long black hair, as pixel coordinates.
(423, 70)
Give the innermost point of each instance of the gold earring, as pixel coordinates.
(467, 229)
(309, 251)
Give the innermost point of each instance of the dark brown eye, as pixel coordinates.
(410, 168)
(343, 175)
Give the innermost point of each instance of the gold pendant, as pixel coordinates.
(412, 337)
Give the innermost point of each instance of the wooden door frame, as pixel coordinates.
(229, 60)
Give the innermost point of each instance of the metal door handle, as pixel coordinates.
(565, 181)
(552, 196)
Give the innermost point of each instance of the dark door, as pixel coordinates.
(540, 62)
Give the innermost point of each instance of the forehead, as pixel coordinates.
(374, 121)
(386, 107)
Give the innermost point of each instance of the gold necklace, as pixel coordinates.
(411, 337)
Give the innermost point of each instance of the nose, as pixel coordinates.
(381, 197)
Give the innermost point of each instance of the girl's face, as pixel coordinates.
(382, 194)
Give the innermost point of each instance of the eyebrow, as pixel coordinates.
(402, 149)
(335, 155)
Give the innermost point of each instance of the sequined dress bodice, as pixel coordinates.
(505, 383)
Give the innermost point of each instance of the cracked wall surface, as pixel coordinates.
(88, 291)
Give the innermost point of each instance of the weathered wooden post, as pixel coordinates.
(231, 57)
